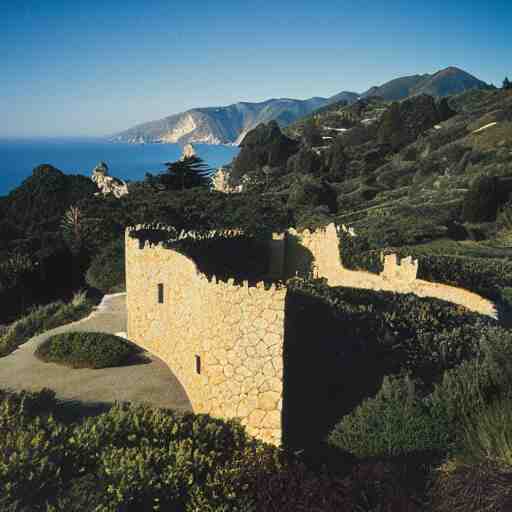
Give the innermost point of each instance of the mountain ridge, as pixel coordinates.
(229, 124)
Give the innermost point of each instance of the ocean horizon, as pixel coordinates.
(79, 155)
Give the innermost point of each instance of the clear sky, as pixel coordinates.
(97, 67)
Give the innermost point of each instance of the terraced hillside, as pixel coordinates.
(418, 174)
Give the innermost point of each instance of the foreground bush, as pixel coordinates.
(395, 422)
(143, 459)
(42, 319)
(404, 418)
(87, 350)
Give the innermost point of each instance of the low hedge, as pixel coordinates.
(424, 336)
(41, 319)
(87, 350)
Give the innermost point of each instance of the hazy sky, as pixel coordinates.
(93, 68)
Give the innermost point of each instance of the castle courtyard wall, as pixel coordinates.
(322, 246)
(234, 333)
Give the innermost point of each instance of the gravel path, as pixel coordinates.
(151, 382)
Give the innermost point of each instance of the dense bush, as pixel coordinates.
(483, 199)
(107, 269)
(405, 418)
(87, 350)
(41, 319)
(138, 458)
(395, 422)
(424, 336)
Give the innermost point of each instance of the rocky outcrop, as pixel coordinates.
(265, 146)
(188, 151)
(221, 183)
(108, 184)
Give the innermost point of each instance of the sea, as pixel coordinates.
(130, 162)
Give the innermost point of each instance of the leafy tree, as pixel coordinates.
(311, 133)
(391, 126)
(483, 199)
(507, 84)
(188, 172)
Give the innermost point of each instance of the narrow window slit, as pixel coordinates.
(198, 365)
(160, 293)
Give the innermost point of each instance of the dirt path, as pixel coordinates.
(151, 382)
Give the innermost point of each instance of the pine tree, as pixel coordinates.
(186, 173)
(507, 84)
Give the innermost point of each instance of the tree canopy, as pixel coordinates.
(189, 172)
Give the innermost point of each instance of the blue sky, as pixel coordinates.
(93, 68)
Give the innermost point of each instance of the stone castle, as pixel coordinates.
(224, 339)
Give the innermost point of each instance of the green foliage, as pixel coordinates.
(480, 474)
(483, 199)
(186, 173)
(311, 133)
(41, 319)
(380, 426)
(264, 146)
(76, 229)
(107, 269)
(426, 336)
(136, 458)
(395, 422)
(14, 270)
(308, 194)
(507, 84)
(201, 211)
(40, 202)
(391, 126)
(87, 350)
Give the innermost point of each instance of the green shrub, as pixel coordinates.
(87, 350)
(483, 199)
(506, 297)
(395, 422)
(41, 319)
(32, 450)
(479, 477)
(107, 272)
(404, 418)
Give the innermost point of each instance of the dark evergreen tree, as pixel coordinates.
(189, 172)
(507, 84)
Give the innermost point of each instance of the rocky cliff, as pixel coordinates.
(223, 125)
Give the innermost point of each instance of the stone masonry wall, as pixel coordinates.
(237, 332)
(397, 276)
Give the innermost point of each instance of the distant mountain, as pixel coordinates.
(230, 124)
(223, 125)
(446, 82)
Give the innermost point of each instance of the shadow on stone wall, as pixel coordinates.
(329, 368)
